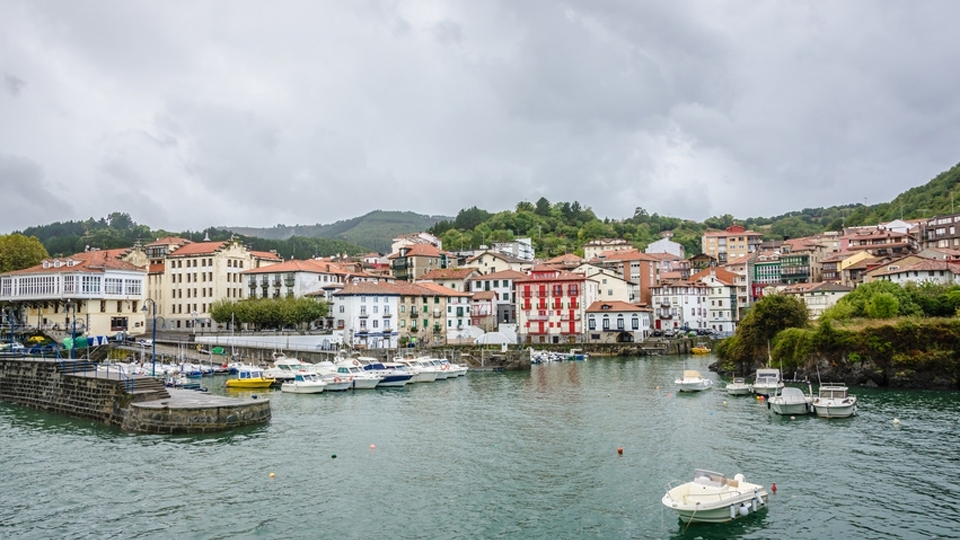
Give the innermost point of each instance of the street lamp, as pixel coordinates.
(153, 342)
(73, 332)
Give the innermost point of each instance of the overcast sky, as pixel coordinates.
(194, 114)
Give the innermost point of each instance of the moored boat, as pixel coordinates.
(790, 401)
(738, 387)
(713, 498)
(250, 377)
(304, 383)
(700, 349)
(767, 382)
(834, 401)
(692, 381)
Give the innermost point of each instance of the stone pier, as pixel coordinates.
(134, 403)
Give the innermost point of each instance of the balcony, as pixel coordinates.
(414, 314)
(569, 317)
(538, 317)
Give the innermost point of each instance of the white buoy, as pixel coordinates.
(896, 421)
(744, 509)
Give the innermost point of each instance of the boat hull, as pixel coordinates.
(835, 409)
(735, 390)
(302, 388)
(249, 383)
(694, 386)
(791, 409)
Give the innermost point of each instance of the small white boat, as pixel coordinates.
(791, 401)
(767, 382)
(713, 498)
(834, 401)
(285, 368)
(738, 387)
(420, 373)
(692, 381)
(304, 383)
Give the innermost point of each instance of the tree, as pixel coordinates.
(543, 207)
(882, 306)
(18, 252)
(769, 315)
(860, 297)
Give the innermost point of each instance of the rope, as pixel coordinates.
(694, 514)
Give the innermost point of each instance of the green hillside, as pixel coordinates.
(374, 231)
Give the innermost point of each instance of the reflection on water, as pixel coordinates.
(516, 455)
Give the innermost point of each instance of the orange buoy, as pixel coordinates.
(760, 398)
(773, 488)
(620, 450)
(373, 447)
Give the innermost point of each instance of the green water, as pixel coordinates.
(515, 455)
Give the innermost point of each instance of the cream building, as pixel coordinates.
(186, 278)
(95, 293)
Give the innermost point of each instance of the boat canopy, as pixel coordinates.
(691, 374)
(708, 478)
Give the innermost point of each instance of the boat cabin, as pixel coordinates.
(250, 374)
(832, 391)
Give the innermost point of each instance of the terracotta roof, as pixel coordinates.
(554, 275)
(665, 256)
(614, 306)
(725, 276)
(169, 240)
(565, 259)
(157, 268)
(626, 255)
(439, 290)
(801, 288)
(88, 261)
(418, 250)
(505, 257)
(303, 265)
(485, 295)
(266, 255)
(449, 273)
(925, 266)
(197, 248)
(502, 274)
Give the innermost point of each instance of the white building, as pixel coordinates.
(681, 305)
(939, 272)
(94, 292)
(501, 284)
(665, 245)
(367, 313)
(298, 278)
(617, 322)
(521, 248)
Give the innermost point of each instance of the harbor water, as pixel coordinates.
(493, 455)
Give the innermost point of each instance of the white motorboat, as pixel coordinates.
(420, 373)
(713, 498)
(791, 401)
(834, 401)
(304, 383)
(393, 378)
(738, 387)
(456, 370)
(285, 368)
(442, 373)
(359, 379)
(767, 382)
(692, 381)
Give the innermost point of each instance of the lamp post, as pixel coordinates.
(153, 342)
(73, 332)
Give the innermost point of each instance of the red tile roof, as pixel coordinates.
(613, 306)
(88, 261)
(502, 274)
(449, 273)
(197, 248)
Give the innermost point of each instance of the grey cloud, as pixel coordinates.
(28, 200)
(13, 84)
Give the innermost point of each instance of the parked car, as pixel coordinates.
(11, 346)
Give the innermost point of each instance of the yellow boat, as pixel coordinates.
(250, 377)
(700, 349)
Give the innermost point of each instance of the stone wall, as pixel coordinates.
(41, 384)
(159, 417)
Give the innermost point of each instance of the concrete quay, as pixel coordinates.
(133, 403)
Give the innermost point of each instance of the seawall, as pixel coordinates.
(133, 403)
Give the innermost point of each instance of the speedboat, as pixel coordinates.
(692, 381)
(790, 401)
(700, 349)
(285, 368)
(456, 370)
(327, 371)
(420, 373)
(304, 383)
(713, 498)
(396, 377)
(739, 387)
(767, 382)
(834, 401)
(250, 377)
(359, 379)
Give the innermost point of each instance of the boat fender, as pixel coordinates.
(336, 379)
(754, 505)
(733, 511)
(744, 509)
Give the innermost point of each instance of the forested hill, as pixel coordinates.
(118, 230)
(374, 231)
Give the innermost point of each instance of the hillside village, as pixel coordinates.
(422, 294)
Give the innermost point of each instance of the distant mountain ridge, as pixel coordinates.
(374, 230)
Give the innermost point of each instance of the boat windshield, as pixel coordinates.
(707, 478)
